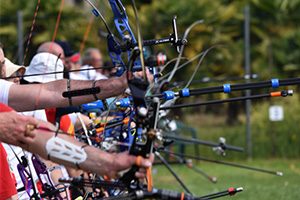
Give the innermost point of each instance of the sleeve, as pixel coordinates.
(4, 91)
(73, 117)
(5, 108)
(7, 183)
(38, 114)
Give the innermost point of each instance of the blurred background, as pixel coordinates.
(273, 50)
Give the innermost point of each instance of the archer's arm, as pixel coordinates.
(13, 131)
(47, 95)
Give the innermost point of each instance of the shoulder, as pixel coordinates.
(100, 76)
(4, 83)
(4, 90)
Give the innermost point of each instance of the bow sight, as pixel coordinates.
(172, 39)
(128, 42)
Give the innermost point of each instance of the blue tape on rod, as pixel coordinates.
(226, 88)
(275, 83)
(168, 95)
(185, 92)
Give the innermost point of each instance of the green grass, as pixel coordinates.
(256, 185)
(270, 140)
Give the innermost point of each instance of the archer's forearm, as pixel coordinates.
(49, 95)
(96, 161)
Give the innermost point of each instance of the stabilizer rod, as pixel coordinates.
(277, 173)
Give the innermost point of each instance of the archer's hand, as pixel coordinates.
(124, 161)
(14, 128)
(149, 76)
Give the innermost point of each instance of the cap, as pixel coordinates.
(66, 47)
(75, 58)
(44, 63)
(11, 68)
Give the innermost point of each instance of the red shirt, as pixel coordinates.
(5, 108)
(65, 123)
(7, 182)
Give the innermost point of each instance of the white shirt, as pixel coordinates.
(87, 74)
(4, 91)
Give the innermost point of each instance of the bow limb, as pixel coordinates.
(125, 32)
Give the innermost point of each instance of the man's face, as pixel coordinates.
(2, 64)
(96, 59)
(69, 65)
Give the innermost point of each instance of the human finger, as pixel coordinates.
(29, 130)
(140, 175)
(32, 121)
(26, 140)
(142, 170)
(143, 162)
